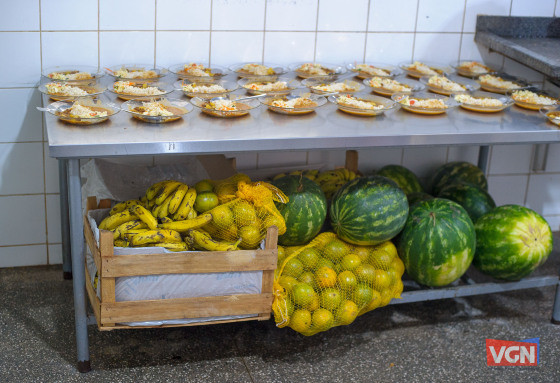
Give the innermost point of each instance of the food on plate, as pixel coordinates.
(337, 87)
(529, 97)
(473, 67)
(267, 86)
(62, 89)
(256, 69)
(153, 108)
(479, 101)
(80, 111)
(137, 73)
(199, 70)
(73, 75)
(298, 102)
(134, 89)
(428, 103)
(355, 102)
(388, 84)
(314, 69)
(497, 82)
(222, 105)
(554, 117)
(202, 88)
(420, 67)
(371, 70)
(445, 84)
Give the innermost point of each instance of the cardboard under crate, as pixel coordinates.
(110, 314)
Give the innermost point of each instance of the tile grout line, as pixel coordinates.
(30, 244)
(415, 27)
(98, 34)
(367, 29)
(316, 28)
(533, 149)
(264, 31)
(210, 33)
(155, 31)
(462, 30)
(232, 30)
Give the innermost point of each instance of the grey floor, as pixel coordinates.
(441, 341)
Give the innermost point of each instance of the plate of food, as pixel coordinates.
(73, 74)
(265, 70)
(424, 102)
(532, 99)
(419, 69)
(198, 72)
(157, 111)
(137, 72)
(388, 86)
(279, 86)
(225, 107)
(322, 70)
(128, 90)
(85, 111)
(449, 84)
(483, 102)
(295, 103)
(471, 68)
(552, 113)
(62, 91)
(369, 70)
(363, 104)
(322, 86)
(500, 83)
(205, 89)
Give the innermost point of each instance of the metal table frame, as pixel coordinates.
(70, 144)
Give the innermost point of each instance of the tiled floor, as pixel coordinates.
(442, 341)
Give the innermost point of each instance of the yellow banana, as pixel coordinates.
(155, 236)
(177, 198)
(164, 210)
(155, 210)
(327, 176)
(173, 246)
(278, 176)
(166, 220)
(192, 214)
(183, 226)
(154, 189)
(204, 241)
(121, 243)
(145, 215)
(186, 205)
(144, 200)
(132, 232)
(112, 221)
(121, 229)
(296, 173)
(166, 190)
(352, 175)
(118, 208)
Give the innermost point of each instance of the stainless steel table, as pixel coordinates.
(263, 130)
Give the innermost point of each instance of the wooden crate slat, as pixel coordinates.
(200, 307)
(93, 299)
(92, 244)
(124, 327)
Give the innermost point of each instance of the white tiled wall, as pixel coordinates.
(36, 34)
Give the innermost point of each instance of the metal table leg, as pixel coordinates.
(78, 263)
(483, 155)
(64, 219)
(556, 307)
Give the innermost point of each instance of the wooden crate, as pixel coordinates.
(109, 313)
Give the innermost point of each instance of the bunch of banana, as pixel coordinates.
(311, 174)
(332, 180)
(202, 240)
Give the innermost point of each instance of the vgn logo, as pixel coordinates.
(508, 353)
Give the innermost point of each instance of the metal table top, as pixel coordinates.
(263, 130)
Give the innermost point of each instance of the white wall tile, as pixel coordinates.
(289, 47)
(463, 153)
(437, 47)
(279, 159)
(338, 48)
(22, 121)
(390, 48)
(59, 15)
(553, 221)
(69, 48)
(245, 160)
(532, 8)
(183, 14)
(21, 168)
(382, 15)
(126, 48)
(53, 218)
(471, 50)
(182, 47)
(24, 64)
(484, 7)
(23, 256)
(236, 47)
(238, 15)
(289, 15)
(440, 16)
(26, 220)
(424, 160)
(352, 16)
(516, 69)
(543, 192)
(370, 160)
(55, 254)
(553, 159)
(511, 159)
(20, 16)
(507, 189)
(51, 172)
(552, 88)
(121, 15)
(328, 158)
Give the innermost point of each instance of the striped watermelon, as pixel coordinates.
(304, 213)
(417, 197)
(437, 243)
(512, 241)
(368, 210)
(474, 200)
(457, 171)
(404, 178)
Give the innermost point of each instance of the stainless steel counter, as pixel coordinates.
(263, 130)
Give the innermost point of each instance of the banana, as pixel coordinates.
(177, 198)
(352, 175)
(327, 176)
(154, 189)
(145, 216)
(112, 221)
(121, 243)
(132, 232)
(118, 208)
(186, 205)
(166, 220)
(166, 190)
(183, 226)
(204, 241)
(296, 173)
(164, 210)
(173, 246)
(155, 210)
(278, 176)
(155, 236)
(121, 229)
(192, 214)
(144, 200)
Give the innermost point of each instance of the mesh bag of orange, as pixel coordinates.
(329, 283)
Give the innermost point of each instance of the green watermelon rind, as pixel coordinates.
(457, 171)
(472, 198)
(404, 178)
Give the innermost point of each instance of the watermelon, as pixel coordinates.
(474, 200)
(457, 171)
(368, 210)
(304, 213)
(437, 243)
(512, 241)
(417, 197)
(404, 178)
